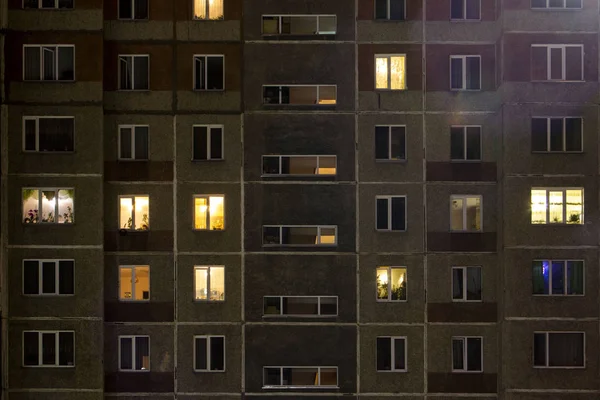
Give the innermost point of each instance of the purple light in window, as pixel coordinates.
(546, 272)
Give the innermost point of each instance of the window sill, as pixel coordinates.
(300, 106)
(466, 301)
(298, 176)
(208, 230)
(457, 161)
(208, 301)
(550, 9)
(458, 371)
(210, 371)
(46, 224)
(208, 90)
(556, 367)
(557, 81)
(48, 295)
(465, 231)
(208, 19)
(384, 20)
(298, 316)
(56, 153)
(379, 90)
(135, 371)
(391, 161)
(556, 224)
(125, 301)
(316, 387)
(132, 19)
(389, 230)
(466, 20)
(50, 366)
(133, 90)
(208, 160)
(557, 295)
(127, 160)
(465, 90)
(391, 301)
(133, 231)
(300, 245)
(387, 371)
(556, 152)
(51, 81)
(29, 9)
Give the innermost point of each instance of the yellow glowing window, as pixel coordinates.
(557, 206)
(391, 283)
(208, 9)
(134, 213)
(134, 283)
(390, 72)
(209, 213)
(209, 283)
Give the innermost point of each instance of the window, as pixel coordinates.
(134, 213)
(48, 4)
(207, 142)
(300, 95)
(208, 9)
(394, 10)
(299, 24)
(397, 276)
(466, 283)
(465, 213)
(556, 206)
(391, 213)
(465, 9)
(48, 134)
(558, 277)
(209, 282)
(465, 143)
(390, 72)
(556, 4)
(209, 72)
(133, 142)
(300, 306)
(209, 353)
(299, 377)
(134, 283)
(134, 71)
(48, 206)
(134, 353)
(556, 134)
(559, 349)
(467, 354)
(391, 354)
(48, 277)
(49, 63)
(557, 62)
(299, 235)
(299, 165)
(465, 73)
(133, 9)
(48, 348)
(209, 213)
(390, 143)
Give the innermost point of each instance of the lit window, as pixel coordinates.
(209, 282)
(557, 206)
(134, 353)
(134, 72)
(559, 349)
(466, 283)
(134, 213)
(134, 283)
(48, 349)
(295, 377)
(465, 72)
(49, 63)
(48, 206)
(557, 134)
(467, 354)
(207, 142)
(299, 165)
(391, 354)
(209, 353)
(133, 9)
(133, 142)
(394, 277)
(48, 134)
(390, 72)
(465, 213)
(394, 10)
(208, 9)
(209, 72)
(390, 143)
(558, 277)
(48, 277)
(209, 213)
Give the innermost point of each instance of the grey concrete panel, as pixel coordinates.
(43, 395)
(548, 21)
(210, 31)
(550, 396)
(561, 92)
(55, 92)
(228, 100)
(390, 31)
(148, 100)
(450, 31)
(456, 101)
(399, 100)
(138, 30)
(76, 19)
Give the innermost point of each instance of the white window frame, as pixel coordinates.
(133, 16)
(393, 353)
(563, 8)
(133, 299)
(319, 229)
(564, 134)
(282, 386)
(133, 135)
(208, 18)
(465, 368)
(566, 276)
(208, 354)
(207, 268)
(464, 7)
(563, 48)
(205, 57)
(548, 333)
(133, 351)
(464, 197)
(463, 59)
(41, 49)
(282, 156)
(47, 189)
(389, 272)
(318, 315)
(281, 16)
(464, 129)
(133, 223)
(389, 211)
(209, 128)
(41, 349)
(301, 105)
(41, 262)
(388, 17)
(465, 282)
(133, 57)
(37, 132)
(39, 7)
(389, 141)
(388, 87)
(207, 197)
(564, 207)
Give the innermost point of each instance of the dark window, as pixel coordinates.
(465, 72)
(467, 354)
(49, 63)
(465, 143)
(391, 354)
(49, 134)
(556, 134)
(133, 143)
(209, 353)
(50, 355)
(391, 213)
(390, 10)
(558, 277)
(465, 9)
(207, 143)
(390, 143)
(133, 72)
(57, 277)
(466, 283)
(48, 4)
(133, 9)
(134, 353)
(209, 72)
(565, 63)
(556, 4)
(558, 349)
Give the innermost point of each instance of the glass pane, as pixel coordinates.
(556, 206)
(473, 11)
(217, 353)
(126, 213)
(458, 354)
(200, 9)
(327, 94)
(382, 214)
(538, 206)
(328, 236)
(397, 10)
(382, 150)
(457, 284)
(381, 8)
(126, 283)
(457, 9)
(31, 348)
(30, 130)
(216, 143)
(201, 283)
(30, 3)
(473, 71)
(303, 377)
(457, 144)
(456, 214)
(271, 94)
(270, 25)
(329, 305)
(217, 283)
(305, 25)
(142, 283)
(272, 305)
(142, 212)
(381, 73)
(49, 277)
(473, 143)
(398, 213)
(556, 60)
(215, 9)
(32, 63)
(300, 306)
(558, 277)
(30, 206)
(541, 277)
(200, 151)
(66, 63)
(384, 354)
(56, 134)
(328, 377)
(556, 134)
(217, 212)
(49, 63)
(141, 9)
(298, 235)
(382, 283)
(398, 72)
(48, 349)
(574, 206)
(31, 277)
(474, 354)
(399, 356)
(573, 3)
(272, 376)
(214, 73)
(473, 283)
(141, 143)
(200, 213)
(539, 134)
(66, 277)
(66, 348)
(201, 355)
(398, 143)
(538, 3)
(573, 134)
(327, 165)
(271, 235)
(456, 73)
(398, 283)
(539, 349)
(270, 165)
(65, 3)
(327, 24)
(140, 73)
(66, 206)
(125, 141)
(49, 206)
(125, 73)
(302, 95)
(565, 349)
(473, 214)
(575, 277)
(301, 165)
(142, 353)
(125, 9)
(126, 353)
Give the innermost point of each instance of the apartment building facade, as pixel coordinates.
(273, 199)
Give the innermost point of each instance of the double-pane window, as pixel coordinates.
(559, 349)
(208, 9)
(465, 213)
(207, 142)
(48, 4)
(134, 353)
(48, 134)
(465, 9)
(209, 282)
(391, 354)
(557, 62)
(390, 72)
(465, 143)
(134, 283)
(465, 73)
(391, 213)
(209, 72)
(466, 283)
(391, 283)
(392, 10)
(467, 354)
(49, 63)
(134, 213)
(209, 353)
(134, 72)
(390, 143)
(133, 142)
(556, 4)
(133, 9)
